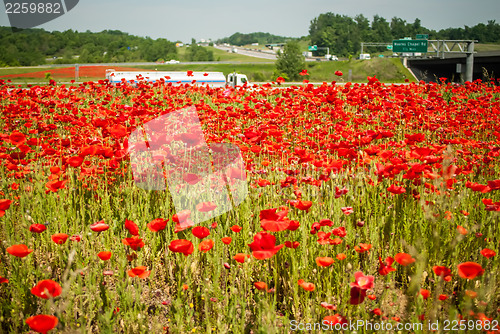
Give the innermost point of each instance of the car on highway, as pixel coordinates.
(173, 61)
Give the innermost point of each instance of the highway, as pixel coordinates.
(265, 54)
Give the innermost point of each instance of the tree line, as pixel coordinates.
(240, 39)
(25, 47)
(344, 34)
(341, 33)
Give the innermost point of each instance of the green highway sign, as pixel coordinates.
(422, 36)
(408, 45)
(389, 47)
(313, 48)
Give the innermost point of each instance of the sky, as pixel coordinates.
(181, 20)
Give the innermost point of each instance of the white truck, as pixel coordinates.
(213, 79)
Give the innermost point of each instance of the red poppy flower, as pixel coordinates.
(442, 297)
(332, 320)
(396, 189)
(240, 257)
(385, 266)
(404, 259)
(263, 183)
(357, 295)
(183, 226)
(99, 226)
(338, 231)
(362, 248)
(339, 192)
(341, 256)
(425, 293)
(339, 73)
(293, 245)
(461, 230)
(361, 281)
(206, 245)
(280, 80)
(135, 242)
(227, 240)
(263, 246)
(347, 210)
(328, 306)
(443, 272)
(131, 227)
(104, 255)
(47, 289)
(273, 221)
(301, 205)
(308, 286)
(140, 272)
(471, 294)
(54, 186)
(293, 225)
(376, 311)
(181, 216)
(260, 286)
(206, 206)
(37, 228)
(470, 270)
(303, 72)
(157, 225)
(17, 138)
(118, 131)
(4, 206)
(200, 232)
(3, 280)
(183, 246)
(76, 238)
(490, 206)
(42, 323)
(59, 238)
(488, 253)
(75, 161)
(235, 228)
(324, 261)
(189, 73)
(191, 179)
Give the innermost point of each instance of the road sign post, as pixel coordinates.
(409, 45)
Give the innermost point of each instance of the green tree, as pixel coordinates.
(198, 53)
(290, 61)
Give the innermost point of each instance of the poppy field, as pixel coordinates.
(370, 202)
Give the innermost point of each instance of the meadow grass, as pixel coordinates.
(197, 293)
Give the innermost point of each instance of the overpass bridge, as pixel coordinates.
(452, 67)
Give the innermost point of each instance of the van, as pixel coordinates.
(364, 56)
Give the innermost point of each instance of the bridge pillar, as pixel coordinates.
(469, 63)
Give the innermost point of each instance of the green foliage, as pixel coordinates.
(28, 47)
(198, 53)
(255, 37)
(290, 61)
(343, 34)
